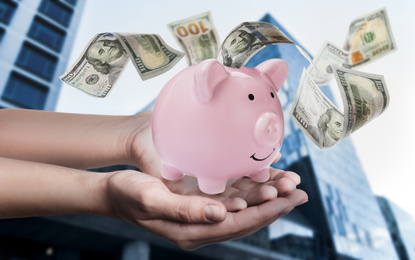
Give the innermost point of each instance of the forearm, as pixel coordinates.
(72, 140)
(36, 189)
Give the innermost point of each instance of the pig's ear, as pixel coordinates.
(208, 75)
(276, 70)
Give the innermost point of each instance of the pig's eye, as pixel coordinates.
(272, 95)
(251, 97)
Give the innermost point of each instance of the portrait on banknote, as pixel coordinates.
(316, 115)
(242, 43)
(328, 129)
(99, 66)
(247, 39)
(235, 47)
(107, 56)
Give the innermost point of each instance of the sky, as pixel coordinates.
(385, 146)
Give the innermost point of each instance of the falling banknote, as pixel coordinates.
(197, 37)
(247, 39)
(322, 72)
(365, 97)
(106, 56)
(369, 38)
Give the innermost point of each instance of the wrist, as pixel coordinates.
(99, 190)
(139, 141)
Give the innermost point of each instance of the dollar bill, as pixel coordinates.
(310, 111)
(97, 76)
(364, 97)
(322, 72)
(106, 56)
(197, 36)
(370, 37)
(247, 39)
(150, 55)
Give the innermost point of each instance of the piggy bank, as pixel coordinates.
(217, 123)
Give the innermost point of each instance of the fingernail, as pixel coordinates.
(214, 213)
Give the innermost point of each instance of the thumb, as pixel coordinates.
(193, 209)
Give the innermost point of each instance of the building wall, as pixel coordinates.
(36, 38)
(342, 206)
(406, 226)
(401, 227)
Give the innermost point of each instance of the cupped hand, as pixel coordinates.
(192, 221)
(239, 194)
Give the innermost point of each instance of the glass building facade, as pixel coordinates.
(36, 38)
(342, 219)
(342, 211)
(401, 227)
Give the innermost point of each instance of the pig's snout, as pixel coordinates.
(269, 129)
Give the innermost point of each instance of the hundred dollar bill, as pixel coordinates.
(106, 56)
(311, 110)
(364, 96)
(247, 39)
(99, 66)
(370, 37)
(150, 55)
(197, 37)
(322, 72)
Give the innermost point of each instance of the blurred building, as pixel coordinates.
(36, 38)
(342, 212)
(401, 227)
(342, 219)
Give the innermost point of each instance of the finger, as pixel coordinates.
(266, 211)
(277, 174)
(267, 191)
(189, 209)
(236, 225)
(245, 184)
(284, 186)
(257, 195)
(270, 210)
(249, 220)
(234, 204)
(261, 194)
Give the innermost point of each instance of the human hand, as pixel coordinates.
(192, 221)
(239, 194)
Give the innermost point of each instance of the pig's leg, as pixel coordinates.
(211, 185)
(170, 173)
(260, 176)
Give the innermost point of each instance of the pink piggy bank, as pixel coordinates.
(217, 123)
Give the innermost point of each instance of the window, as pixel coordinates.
(46, 33)
(57, 11)
(7, 9)
(25, 92)
(37, 61)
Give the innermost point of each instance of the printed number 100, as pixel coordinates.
(192, 28)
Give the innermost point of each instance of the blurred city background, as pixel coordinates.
(345, 217)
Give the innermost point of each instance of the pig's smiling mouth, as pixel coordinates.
(256, 159)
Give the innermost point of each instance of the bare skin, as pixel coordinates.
(43, 155)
